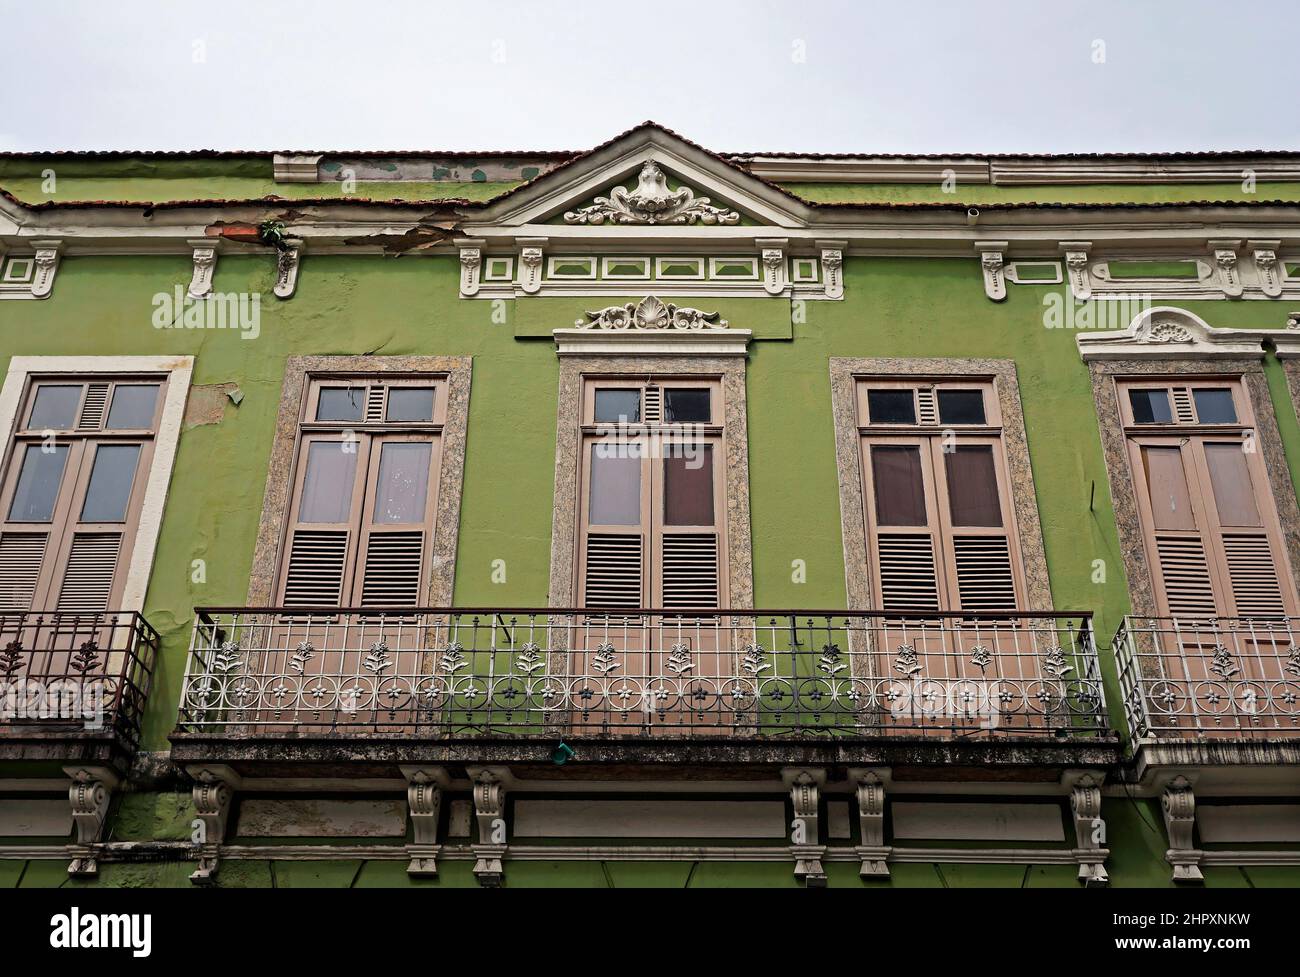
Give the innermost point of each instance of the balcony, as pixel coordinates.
(512, 684)
(73, 686)
(1222, 679)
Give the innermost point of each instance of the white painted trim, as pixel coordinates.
(652, 342)
(1165, 332)
(179, 370)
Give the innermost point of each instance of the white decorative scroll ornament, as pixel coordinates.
(46, 261)
(530, 270)
(650, 313)
(424, 787)
(286, 269)
(1225, 262)
(1076, 267)
(993, 267)
(871, 821)
(773, 271)
(1179, 807)
(489, 812)
(1270, 274)
(1089, 830)
(471, 265)
(833, 272)
(91, 790)
(805, 790)
(205, 263)
(651, 203)
(1166, 331)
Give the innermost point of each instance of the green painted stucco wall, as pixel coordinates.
(344, 305)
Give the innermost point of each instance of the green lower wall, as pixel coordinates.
(345, 305)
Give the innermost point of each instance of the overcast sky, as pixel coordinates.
(735, 75)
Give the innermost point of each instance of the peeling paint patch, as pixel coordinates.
(207, 403)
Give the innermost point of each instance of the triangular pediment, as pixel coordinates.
(647, 177)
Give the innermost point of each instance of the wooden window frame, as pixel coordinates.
(1179, 370)
(651, 438)
(1003, 408)
(140, 528)
(735, 554)
(444, 493)
(1190, 437)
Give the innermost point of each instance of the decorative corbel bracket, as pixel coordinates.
(993, 265)
(774, 265)
(287, 262)
(214, 791)
(92, 789)
(833, 268)
(471, 267)
(1076, 268)
(1266, 264)
(424, 787)
(871, 799)
(46, 260)
(1179, 807)
(531, 253)
(805, 784)
(490, 813)
(1225, 264)
(205, 265)
(1089, 828)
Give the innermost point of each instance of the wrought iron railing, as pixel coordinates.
(75, 674)
(691, 674)
(1183, 678)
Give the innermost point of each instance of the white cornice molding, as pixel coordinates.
(1047, 172)
(867, 169)
(1168, 333)
(300, 168)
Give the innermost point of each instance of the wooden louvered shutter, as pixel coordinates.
(689, 571)
(395, 517)
(316, 567)
(1252, 574)
(21, 558)
(1185, 576)
(985, 580)
(906, 572)
(87, 583)
(976, 518)
(612, 575)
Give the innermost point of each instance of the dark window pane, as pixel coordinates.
(132, 408)
(110, 483)
(961, 406)
(973, 486)
(410, 404)
(38, 483)
(403, 481)
(55, 408)
(687, 406)
(900, 490)
(340, 403)
(615, 494)
(1234, 496)
(614, 406)
(891, 406)
(1171, 503)
(1214, 405)
(1150, 406)
(688, 485)
(328, 482)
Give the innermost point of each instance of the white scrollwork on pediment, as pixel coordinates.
(1166, 331)
(650, 313)
(651, 203)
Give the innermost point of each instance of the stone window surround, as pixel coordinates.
(730, 370)
(1141, 588)
(848, 454)
(298, 371)
(179, 370)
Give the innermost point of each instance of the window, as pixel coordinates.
(365, 492)
(1211, 531)
(936, 500)
(73, 486)
(652, 494)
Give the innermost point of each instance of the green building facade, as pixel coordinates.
(436, 562)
